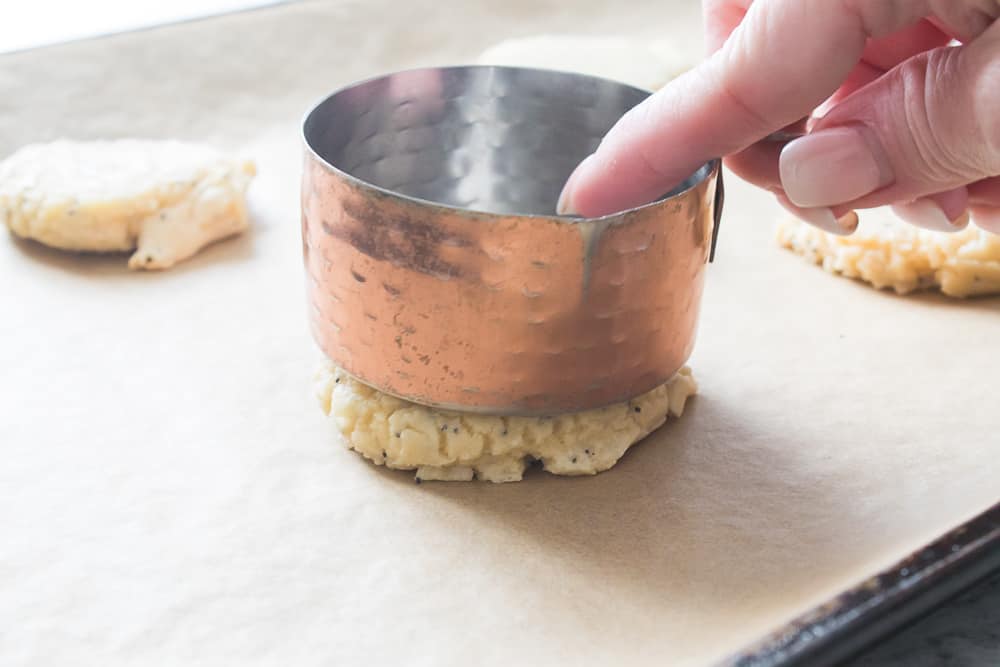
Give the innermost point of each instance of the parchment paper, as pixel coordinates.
(170, 493)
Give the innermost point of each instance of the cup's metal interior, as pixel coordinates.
(491, 139)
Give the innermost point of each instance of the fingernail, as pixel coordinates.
(987, 218)
(565, 206)
(822, 217)
(832, 167)
(927, 214)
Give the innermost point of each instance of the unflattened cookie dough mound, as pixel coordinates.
(889, 253)
(449, 446)
(164, 199)
(648, 65)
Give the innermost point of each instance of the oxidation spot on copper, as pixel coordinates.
(371, 316)
(539, 264)
(701, 233)
(393, 291)
(357, 276)
(455, 242)
(403, 240)
(535, 401)
(443, 275)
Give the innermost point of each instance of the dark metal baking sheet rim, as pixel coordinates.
(858, 617)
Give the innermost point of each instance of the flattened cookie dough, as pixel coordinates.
(164, 199)
(647, 65)
(448, 446)
(888, 253)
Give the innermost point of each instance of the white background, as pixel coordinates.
(27, 24)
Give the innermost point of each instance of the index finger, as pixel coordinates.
(785, 58)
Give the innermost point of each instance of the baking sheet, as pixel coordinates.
(840, 628)
(170, 492)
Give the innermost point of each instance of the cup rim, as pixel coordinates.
(709, 168)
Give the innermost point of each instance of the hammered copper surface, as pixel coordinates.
(493, 311)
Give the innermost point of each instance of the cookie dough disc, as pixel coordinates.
(647, 65)
(889, 253)
(164, 199)
(443, 445)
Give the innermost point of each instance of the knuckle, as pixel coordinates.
(877, 18)
(649, 159)
(985, 106)
(628, 137)
(935, 144)
(753, 121)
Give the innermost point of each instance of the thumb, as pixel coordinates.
(928, 126)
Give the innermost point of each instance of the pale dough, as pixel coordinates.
(643, 64)
(889, 253)
(164, 199)
(442, 445)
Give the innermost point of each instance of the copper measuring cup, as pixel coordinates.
(439, 272)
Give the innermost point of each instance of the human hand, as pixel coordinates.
(908, 121)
